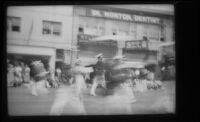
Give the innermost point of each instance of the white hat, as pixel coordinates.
(119, 57)
(99, 55)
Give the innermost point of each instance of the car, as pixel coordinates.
(116, 71)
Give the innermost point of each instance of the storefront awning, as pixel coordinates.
(114, 38)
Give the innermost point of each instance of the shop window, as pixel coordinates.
(121, 28)
(51, 28)
(60, 54)
(92, 26)
(153, 35)
(80, 30)
(162, 34)
(13, 24)
(154, 32)
(101, 29)
(114, 33)
(124, 32)
(162, 39)
(133, 30)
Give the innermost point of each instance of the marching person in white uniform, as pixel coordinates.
(38, 84)
(72, 95)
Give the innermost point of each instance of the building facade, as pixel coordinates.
(93, 21)
(55, 32)
(40, 32)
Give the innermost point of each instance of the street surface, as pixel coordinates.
(21, 102)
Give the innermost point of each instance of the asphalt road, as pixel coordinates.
(21, 102)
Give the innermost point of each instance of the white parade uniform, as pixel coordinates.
(67, 96)
(39, 88)
(120, 102)
(71, 96)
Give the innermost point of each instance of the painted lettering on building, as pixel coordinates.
(85, 38)
(140, 44)
(146, 19)
(123, 16)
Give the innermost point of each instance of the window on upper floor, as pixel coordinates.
(92, 26)
(13, 24)
(60, 54)
(51, 28)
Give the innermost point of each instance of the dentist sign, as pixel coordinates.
(122, 16)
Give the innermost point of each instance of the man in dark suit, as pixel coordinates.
(99, 75)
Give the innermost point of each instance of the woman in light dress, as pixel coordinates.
(18, 75)
(71, 96)
(26, 74)
(10, 75)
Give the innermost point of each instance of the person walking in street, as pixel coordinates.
(99, 75)
(22, 65)
(79, 76)
(121, 99)
(26, 73)
(126, 87)
(10, 75)
(18, 74)
(71, 96)
(58, 75)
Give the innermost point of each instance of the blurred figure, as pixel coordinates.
(58, 74)
(99, 75)
(10, 75)
(51, 77)
(22, 65)
(71, 95)
(18, 74)
(39, 81)
(67, 96)
(26, 74)
(79, 76)
(120, 101)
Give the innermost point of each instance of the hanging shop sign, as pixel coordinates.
(85, 37)
(123, 16)
(140, 44)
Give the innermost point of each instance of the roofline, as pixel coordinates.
(137, 10)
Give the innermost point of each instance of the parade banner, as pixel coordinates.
(122, 16)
